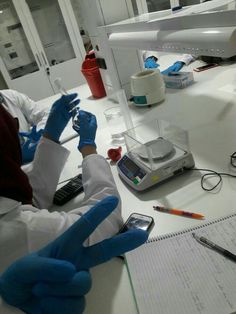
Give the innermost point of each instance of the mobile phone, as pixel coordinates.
(206, 67)
(69, 191)
(138, 221)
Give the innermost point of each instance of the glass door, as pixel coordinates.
(57, 40)
(158, 5)
(52, 31)
(20, 65)
(144, 6)
(81, 25)
(188, 2)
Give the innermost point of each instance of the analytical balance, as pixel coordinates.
(156, 151)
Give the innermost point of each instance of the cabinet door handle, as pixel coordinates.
(39, 61)
(44, 58)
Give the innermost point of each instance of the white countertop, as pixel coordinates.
(207, 110)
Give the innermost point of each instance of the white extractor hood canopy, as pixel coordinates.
(206, 29)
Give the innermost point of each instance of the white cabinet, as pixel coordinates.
(39, 41)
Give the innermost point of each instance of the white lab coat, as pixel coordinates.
(25, 109)
(26, 228)
(185, 58)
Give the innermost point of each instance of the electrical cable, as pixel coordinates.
(212, 173)
(204, 177)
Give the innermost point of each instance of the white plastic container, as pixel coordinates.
(147, 87)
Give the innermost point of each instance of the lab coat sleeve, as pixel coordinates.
(98, 182)
(186, 59)
(44, 226)
(45, 170)
(97, 178)
(34, 113)
(146, 54)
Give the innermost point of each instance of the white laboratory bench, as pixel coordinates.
(207, 110)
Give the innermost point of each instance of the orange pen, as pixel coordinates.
(178, 212)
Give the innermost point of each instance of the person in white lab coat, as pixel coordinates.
(150, 61)
(27, 111)
(26, 224)
(32, 118)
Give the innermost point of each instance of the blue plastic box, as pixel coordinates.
(178, 80)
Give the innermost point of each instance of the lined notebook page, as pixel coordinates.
(177, 275)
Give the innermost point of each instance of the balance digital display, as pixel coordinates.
(167, 160)
(131, 170)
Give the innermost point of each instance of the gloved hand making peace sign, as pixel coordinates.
(56, 278)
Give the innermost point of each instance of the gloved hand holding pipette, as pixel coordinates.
(74, 110)
(60, 114)
(87, 130)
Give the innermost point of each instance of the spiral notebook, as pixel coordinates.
(174, 274)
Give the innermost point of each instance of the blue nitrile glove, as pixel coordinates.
(150, 63)
(47, 282)
(60, 115)
(41, 285)
(69, 246)
(87, 130)
(176, 67)
(28, 147)
(33, 134)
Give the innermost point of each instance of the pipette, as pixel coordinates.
(63, 91)
(75, 115)
(60, 87)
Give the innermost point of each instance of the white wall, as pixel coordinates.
(3, 84)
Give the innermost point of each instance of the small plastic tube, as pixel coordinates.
(62, 90)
